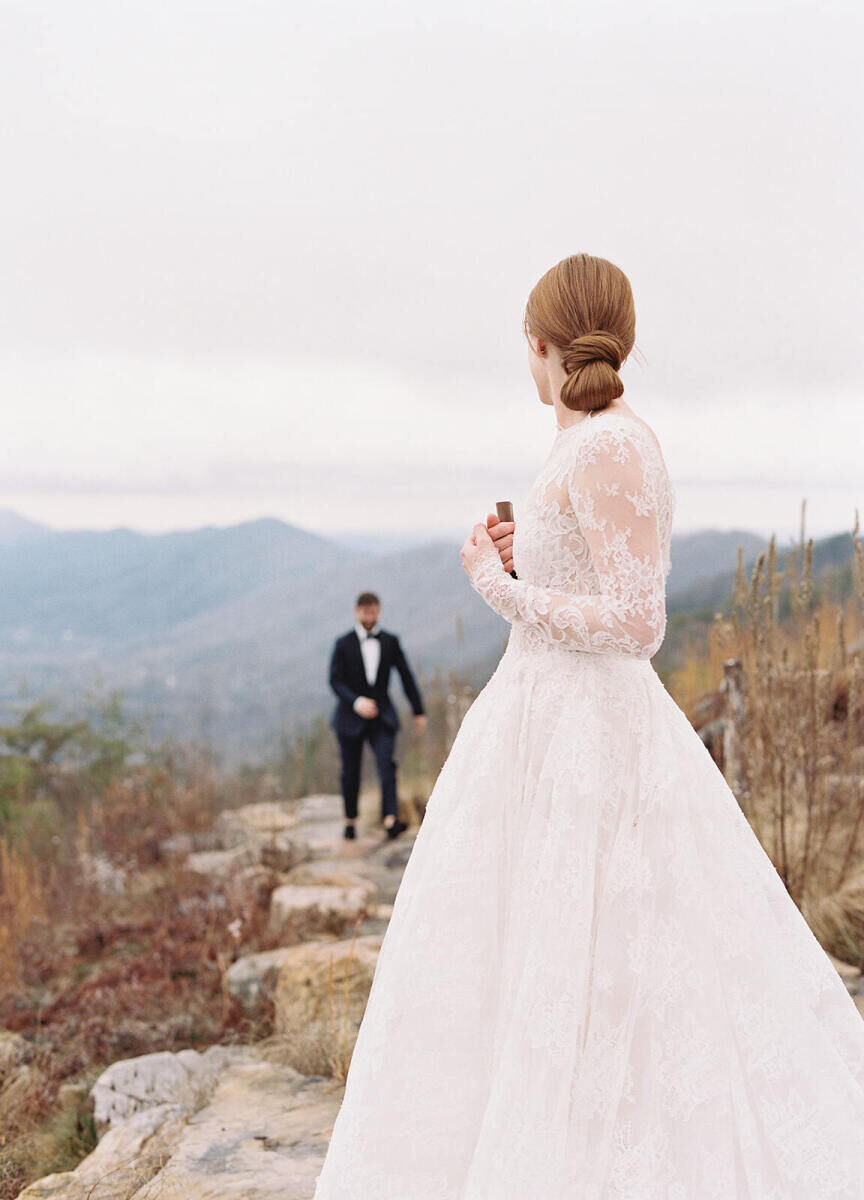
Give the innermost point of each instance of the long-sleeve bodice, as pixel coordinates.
(591, 546)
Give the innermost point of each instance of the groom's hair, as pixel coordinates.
(367, 598)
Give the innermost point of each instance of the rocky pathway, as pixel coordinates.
(242, 1121)
(253, 1122)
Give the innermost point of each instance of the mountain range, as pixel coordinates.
(225, 633)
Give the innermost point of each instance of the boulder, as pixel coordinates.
(134, 1084)
(250, 889)
(283, 851)
(264, 833)
(315, 976)
(259, 1130)
(323, 820)
(320, 906)
(222, 864)
(252, 979)
(127, 1157)
(263, 1134)
(255, 823)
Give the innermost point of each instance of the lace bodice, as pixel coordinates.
(594, 982)
(591, 544)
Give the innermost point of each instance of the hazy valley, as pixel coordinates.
(224, 633)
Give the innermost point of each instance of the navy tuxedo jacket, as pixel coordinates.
(348, 681)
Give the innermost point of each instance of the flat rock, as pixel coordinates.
(260, 1131)
(320, 904)
(323, 820)
(368, 867)
(222, 864)
(255, 822)
(263, 1134)
(129, 1154)
(333, 871)
(324, 806)
(182, 1080)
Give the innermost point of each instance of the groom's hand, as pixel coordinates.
(366, 707)
(501, 533)
(420, 723)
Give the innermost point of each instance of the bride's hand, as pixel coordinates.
(477, 543)
(501, 533)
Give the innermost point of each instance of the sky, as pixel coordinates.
(271, 259)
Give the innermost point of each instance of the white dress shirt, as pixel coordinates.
(370, 648)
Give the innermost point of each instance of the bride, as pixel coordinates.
(594, 985)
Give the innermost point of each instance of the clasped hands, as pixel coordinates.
(366, 707)
(496, 534)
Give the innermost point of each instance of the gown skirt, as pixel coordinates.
(594, 984)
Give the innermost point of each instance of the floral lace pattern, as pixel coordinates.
(598, 583)
(593, 984)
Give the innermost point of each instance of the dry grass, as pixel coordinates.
(90, 976)
(22, 902)
(801, 731)
(339, 1037)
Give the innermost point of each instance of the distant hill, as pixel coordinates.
(226, 633)
(708, 591)
(15, 528)
(119, 583)
(697, 557)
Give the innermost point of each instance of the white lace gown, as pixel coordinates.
(594, 985)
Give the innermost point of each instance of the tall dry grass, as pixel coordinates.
(22, 903)
(799, 770)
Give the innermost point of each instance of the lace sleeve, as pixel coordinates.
(615, 503)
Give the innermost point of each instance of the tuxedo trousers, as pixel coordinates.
(382, 739)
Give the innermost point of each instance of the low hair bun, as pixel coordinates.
(583, 306)
(591, 362)
(596, 346)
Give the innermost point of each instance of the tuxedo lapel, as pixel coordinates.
(382, 643)
(358, 654)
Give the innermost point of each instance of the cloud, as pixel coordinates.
(263, 257)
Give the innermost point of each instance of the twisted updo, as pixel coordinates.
(584, 307)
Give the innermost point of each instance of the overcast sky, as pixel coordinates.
(265, 258)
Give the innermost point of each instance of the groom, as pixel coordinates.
(360, 675)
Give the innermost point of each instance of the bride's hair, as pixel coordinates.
(584, 307)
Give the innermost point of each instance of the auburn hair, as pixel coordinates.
(584, 307)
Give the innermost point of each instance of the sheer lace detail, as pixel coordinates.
(594, 983)
(592, 548)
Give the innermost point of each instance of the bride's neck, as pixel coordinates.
(565, 417)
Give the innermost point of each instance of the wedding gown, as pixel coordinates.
(594, 985)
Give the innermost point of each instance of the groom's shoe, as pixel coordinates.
(396, 828)
(349, 831)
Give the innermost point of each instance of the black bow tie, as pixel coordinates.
(375, 635)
